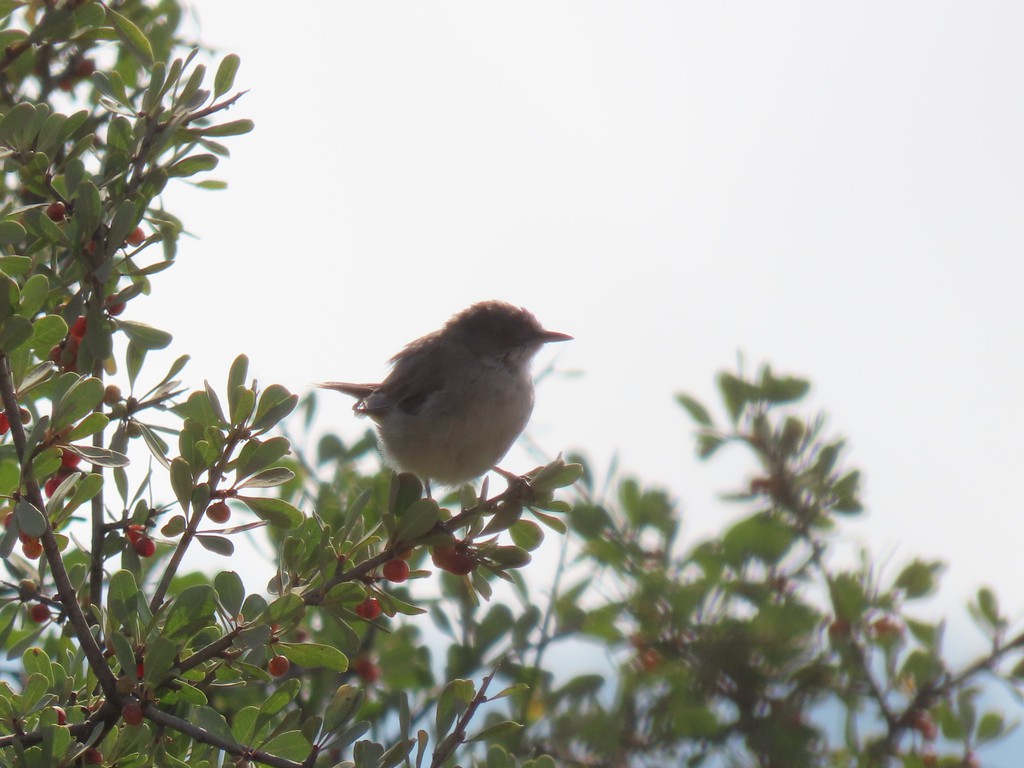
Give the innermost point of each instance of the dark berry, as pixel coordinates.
(56, 211)
(39, 613)
(219, 512)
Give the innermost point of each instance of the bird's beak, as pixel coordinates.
(548, 336)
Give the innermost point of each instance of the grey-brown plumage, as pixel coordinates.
(456, 399)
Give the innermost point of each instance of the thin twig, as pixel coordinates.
(65, 589)
(456, 737)
(216, 474)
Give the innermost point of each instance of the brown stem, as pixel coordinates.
(65, 589)
(216, 474)
(197, 733)
(456, 737)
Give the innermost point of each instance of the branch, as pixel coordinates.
(160, 717)
(216, 474)
(69, 599)
(447, 747)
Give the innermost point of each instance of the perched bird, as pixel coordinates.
(456, 399)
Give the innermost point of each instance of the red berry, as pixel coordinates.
(92, 756)
(454, 558)
(5, 424)
(85, 68)
(116, 308)
(219, 512)
(78, 328)
(140, 670)
(134, 533)
(56, 211)
(278, 666)
(136, 237)
(132, 713)
(62, 716)
(69, 459)
(51, 485)
(8, 519)
(39, 612)
(32, 549)
(366, 668)
(396, 570)
(66, 84)
(55, 354)
(369, 609)
(145, 547)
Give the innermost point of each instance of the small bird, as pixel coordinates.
(456, 399)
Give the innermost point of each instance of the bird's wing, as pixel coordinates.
(417, 374)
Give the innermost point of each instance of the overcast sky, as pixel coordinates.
(834, 188)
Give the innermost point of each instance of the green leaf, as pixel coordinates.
(501, 730)
(233, 128)
(216, 544)
(174, 527)
(90, 425)
(14, 331)
(419, 519)
(33, 295)
(231, 591)
(784, 390)
(225, 77)
(159, 660)
(88, 208)
(269, 478)
(344, 705)
(736, 393)
(991, 726)
(290, 745)
(101, 457)
(83, 396)
(526, 534)
(918, 578)
(47, 332)
(193, 609)
(123, 596)
(193, 165)
(36, 661)
(277, 512)
(314, 655)
(11, 232)
(696, 410)
(87, 488)
(276, 402)
(454, 699)
(256, 456)
(214, 722)
(760, 537)
(131, 35)
(181, 482)
(29, 519)
(144, 335)
(16, 122)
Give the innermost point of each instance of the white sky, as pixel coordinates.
(834, 188)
